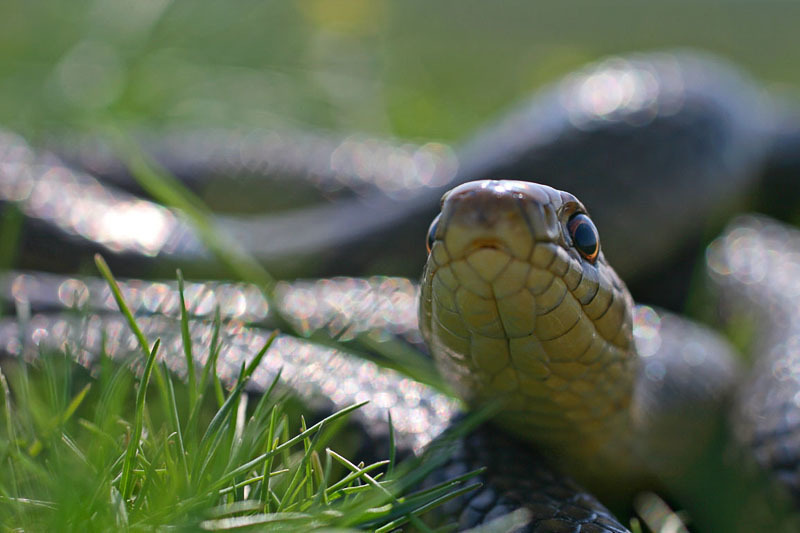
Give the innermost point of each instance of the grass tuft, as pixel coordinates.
(101, 450)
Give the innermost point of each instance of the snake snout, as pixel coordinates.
(507, 216)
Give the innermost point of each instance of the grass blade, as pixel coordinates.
(288, 443)
(370, 480)
(187, 344)
(126, 483)
(172, 404)
(102, 266)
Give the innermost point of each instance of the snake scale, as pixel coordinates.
(656, 127)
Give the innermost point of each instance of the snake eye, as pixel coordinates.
(432, 233)
(584, 236)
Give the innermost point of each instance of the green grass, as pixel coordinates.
(113, 449)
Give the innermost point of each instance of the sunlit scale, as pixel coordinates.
(313, 372)
(347, 306)
(329, 163)
(756, 264)
(79, 205)
(394, 169)
(646, 324)
(618, 89)
(344, 307)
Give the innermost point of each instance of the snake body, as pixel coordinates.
(679, 120)
(694, 124)
(755, 266)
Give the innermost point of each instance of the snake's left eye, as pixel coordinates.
(432, 233)
(584, 236)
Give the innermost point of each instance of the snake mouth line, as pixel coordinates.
(499, 244)
(486, 244)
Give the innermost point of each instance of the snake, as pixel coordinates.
(722, 127)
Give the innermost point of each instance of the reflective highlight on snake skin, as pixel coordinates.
(314, 372)
(112, 220)
(755, 265)
(342, 306)
(355, 163)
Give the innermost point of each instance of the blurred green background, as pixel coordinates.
(409, 68)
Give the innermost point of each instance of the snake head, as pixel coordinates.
(518, 303)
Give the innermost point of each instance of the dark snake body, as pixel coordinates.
(693, 123)
(657, 126)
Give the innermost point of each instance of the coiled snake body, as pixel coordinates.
(512, 275)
